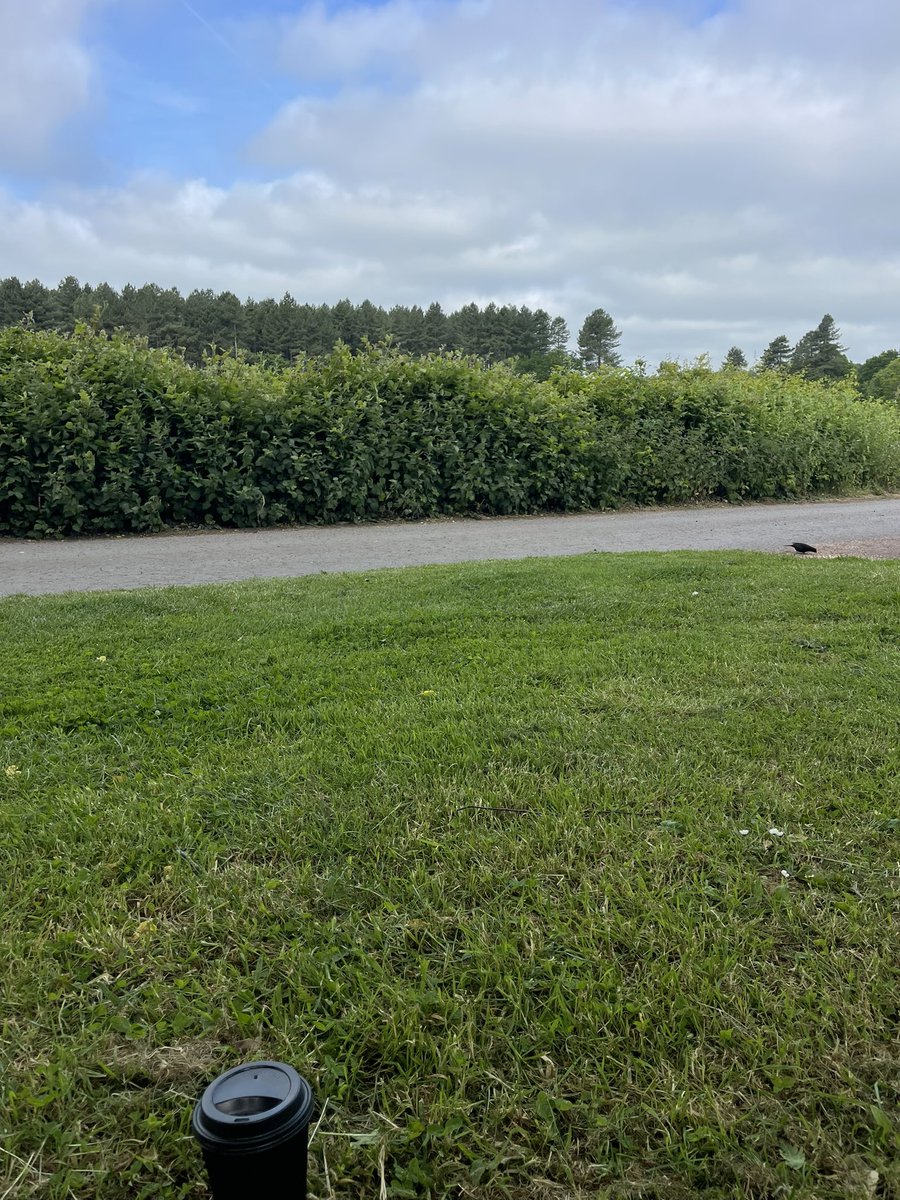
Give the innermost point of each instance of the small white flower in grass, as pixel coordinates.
(695, 593)
(776, 832)
(743, 832)
(786, 874)
(12, 771)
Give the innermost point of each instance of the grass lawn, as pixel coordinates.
(570, 878)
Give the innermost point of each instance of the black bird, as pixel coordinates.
(802, 548)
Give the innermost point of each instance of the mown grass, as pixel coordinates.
(465, 845)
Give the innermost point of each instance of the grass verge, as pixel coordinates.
(566, 878)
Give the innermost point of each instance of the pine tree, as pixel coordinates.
(408, 328)
(228, 321)
(498, 332)
(776, 356)
(735, 359)
(559, 334)
(36, 301)
(105, 306)
(598, 340)
(63, 299)
(346, 323)
(819, 354)
(135, 314)
(264, 327)
(12, 301)
(399, 326)
(326, 330)
(435, 329)
(290, 328)
(200, 322)
(305, 328)
(539, 333)
(167, 327)
(372, 321)
(465, 326)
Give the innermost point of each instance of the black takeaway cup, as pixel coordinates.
(253, 1126)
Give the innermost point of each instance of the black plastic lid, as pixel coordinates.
(253, 1107)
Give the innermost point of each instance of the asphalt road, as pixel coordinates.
(867, 527)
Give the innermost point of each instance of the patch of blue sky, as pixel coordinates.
(27, 187)
(178, 93)
(184, 93)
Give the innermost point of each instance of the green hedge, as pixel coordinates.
(101, 434)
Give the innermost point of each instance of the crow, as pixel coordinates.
(802, 548)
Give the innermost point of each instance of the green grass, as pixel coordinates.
(463, 844)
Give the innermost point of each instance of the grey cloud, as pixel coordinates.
(320, 244)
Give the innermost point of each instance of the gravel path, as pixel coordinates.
(869, 528)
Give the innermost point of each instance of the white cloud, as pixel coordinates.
(742, 165)
(710, 182)
(327, 44)
(45, 75)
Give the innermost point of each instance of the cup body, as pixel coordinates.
(252, 1124)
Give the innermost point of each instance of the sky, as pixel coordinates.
(711, 172)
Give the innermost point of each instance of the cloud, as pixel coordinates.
(577, 107)
(306, 235)
(324, 43)
(710, 180)
(45, 75)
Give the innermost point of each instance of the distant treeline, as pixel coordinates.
(283, 328)
(272, 330)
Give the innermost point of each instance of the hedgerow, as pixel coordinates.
(100, 434)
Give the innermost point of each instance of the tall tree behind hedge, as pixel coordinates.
(436, 329)
(558, 334)
(819, 354)
(598, 340)
(212, 321)
(406, 327)
(867, 371)
(63, 299)
(101, 305)
(37, 304)
(885, 384)
(777, 355)
(372, 322)
(12, 301)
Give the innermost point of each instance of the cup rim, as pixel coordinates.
(240, 1133)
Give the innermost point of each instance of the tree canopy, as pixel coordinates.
(867, 371)
(272, 329)
(777, 355)
(819, 354)
(885, 384)
(598, 340)
(284, 327)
